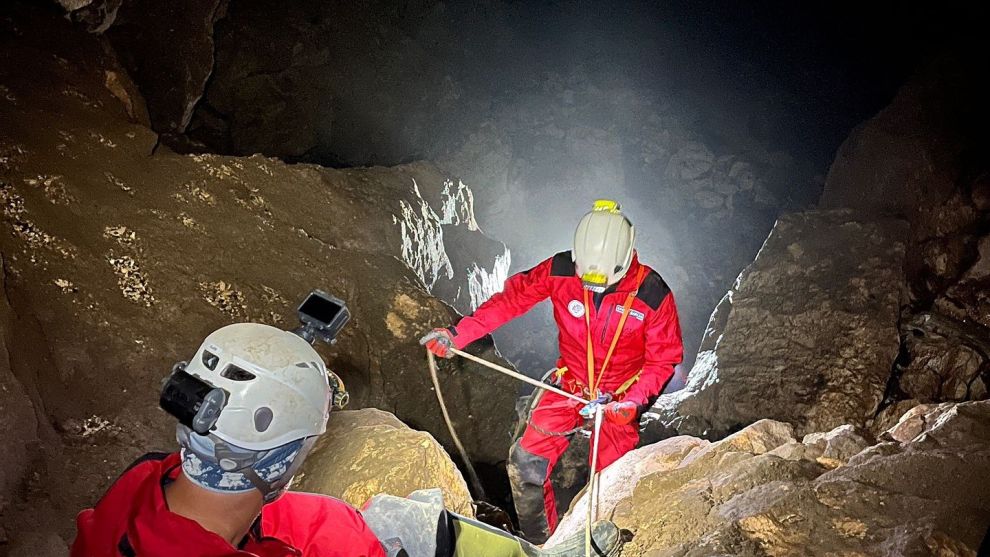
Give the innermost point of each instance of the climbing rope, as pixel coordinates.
(593, 485)
(519, 376)
(475, 481)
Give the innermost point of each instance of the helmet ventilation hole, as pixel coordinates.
(210, 360)
(235, 373)
(263, 418)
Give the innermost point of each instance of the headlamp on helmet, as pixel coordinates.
(603, 245)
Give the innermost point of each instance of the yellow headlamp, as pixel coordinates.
(596, 282)
(606, 205)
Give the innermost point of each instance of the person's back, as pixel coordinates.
(133, 518)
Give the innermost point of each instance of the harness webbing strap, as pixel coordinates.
(629, 383)
(626, 310)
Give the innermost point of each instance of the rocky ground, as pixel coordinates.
(918, 489)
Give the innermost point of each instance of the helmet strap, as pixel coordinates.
(272, 490)
(269, 491)
(243, 462)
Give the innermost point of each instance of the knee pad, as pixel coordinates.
(526, 466)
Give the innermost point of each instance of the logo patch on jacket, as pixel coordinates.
(576, 308)
(632, 313)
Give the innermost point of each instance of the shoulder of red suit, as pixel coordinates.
(652, 291)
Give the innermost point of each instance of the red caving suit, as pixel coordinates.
(649, 344)
(132, 519)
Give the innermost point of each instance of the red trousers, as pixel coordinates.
(555, 413)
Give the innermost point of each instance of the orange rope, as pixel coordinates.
(626, 310)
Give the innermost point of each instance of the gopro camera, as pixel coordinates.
(322, 317)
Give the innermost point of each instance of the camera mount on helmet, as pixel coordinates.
(322, 317)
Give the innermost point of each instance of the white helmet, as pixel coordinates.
(603, 246)
(276, 384)
(250, 405)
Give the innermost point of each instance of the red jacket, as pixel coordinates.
(650, 339)
(132, 519)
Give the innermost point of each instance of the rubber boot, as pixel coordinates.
(527, 475)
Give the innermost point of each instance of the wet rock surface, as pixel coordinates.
(753, 494)
(369, 452)
(808, 335)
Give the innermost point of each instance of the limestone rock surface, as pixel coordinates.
(619, 479)
(948, 360)
(18, 423)
(924, 157)
(369, 452)
(755, 493)
(171, 78)
(808, 334)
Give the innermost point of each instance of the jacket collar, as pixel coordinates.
(628, 282)
(155, 531)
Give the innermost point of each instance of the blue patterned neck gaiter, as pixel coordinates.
(271, 467)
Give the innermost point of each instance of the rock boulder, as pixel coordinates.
(808, 335)
(756, 493)
(619, 479)
(368, 452)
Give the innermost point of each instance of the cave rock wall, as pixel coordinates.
(809, 333)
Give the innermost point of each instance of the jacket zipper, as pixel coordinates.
(608, 319)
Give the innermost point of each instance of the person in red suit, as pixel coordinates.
(250, 405)
(618, 336)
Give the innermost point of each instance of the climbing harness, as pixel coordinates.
(558, 374)
(593, 383)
